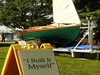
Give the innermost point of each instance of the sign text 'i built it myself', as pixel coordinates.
(40, 63)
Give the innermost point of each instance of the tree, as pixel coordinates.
(86, 8)
(25, 13)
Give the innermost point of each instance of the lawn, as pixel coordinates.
(66, 64)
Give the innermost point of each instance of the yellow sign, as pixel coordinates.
(30, 60)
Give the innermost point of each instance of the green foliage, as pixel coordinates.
(86, 8)
(1, 3)
(87, 5)
(25, 13)
(95, 16)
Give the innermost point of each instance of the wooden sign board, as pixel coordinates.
(38, 62)
(21, 61)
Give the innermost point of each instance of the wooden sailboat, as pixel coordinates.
(65, 28)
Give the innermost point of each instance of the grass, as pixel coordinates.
(66, 64)
(3, 52)
(77, 66)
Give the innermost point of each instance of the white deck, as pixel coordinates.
(86, 51)
(61, 50)
(78, 53)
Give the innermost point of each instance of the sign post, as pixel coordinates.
(30, 60)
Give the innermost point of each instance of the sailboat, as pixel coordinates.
(64, 29)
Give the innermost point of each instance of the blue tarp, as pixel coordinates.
(82, 47)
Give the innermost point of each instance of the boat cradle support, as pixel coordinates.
(87, 52)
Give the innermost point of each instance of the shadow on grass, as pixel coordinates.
(7, 43)
(62, 54)
(4, 45)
